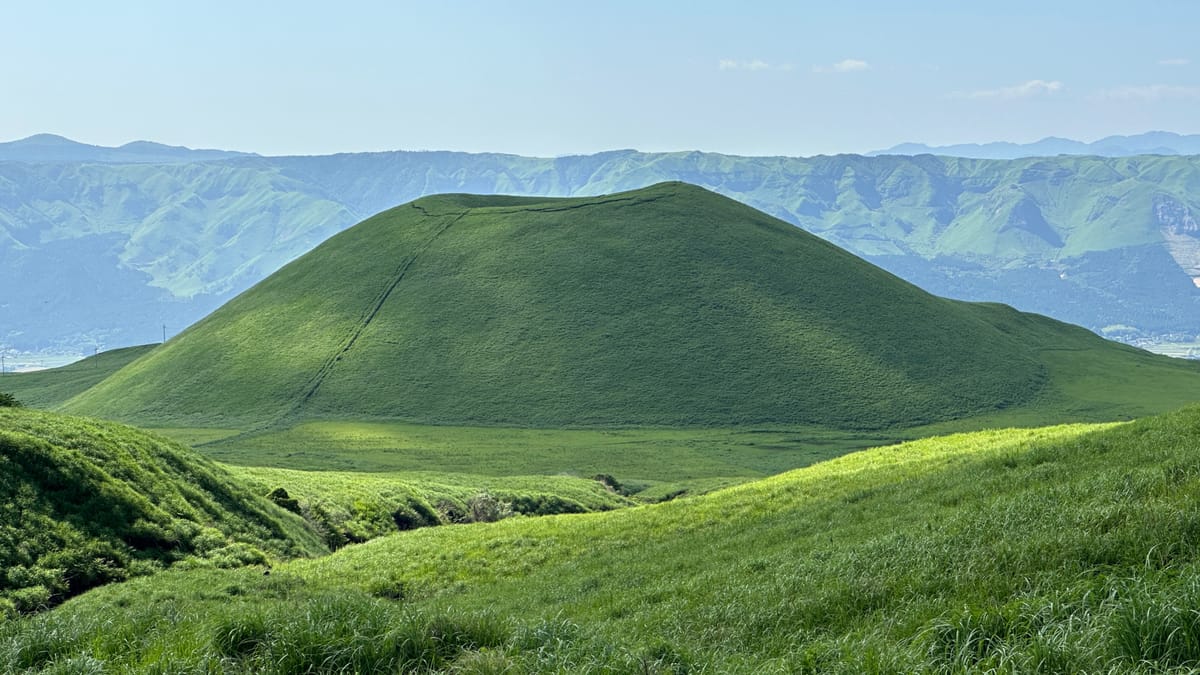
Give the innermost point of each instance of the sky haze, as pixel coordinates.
(553, 78)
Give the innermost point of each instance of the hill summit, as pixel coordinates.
(669, 305)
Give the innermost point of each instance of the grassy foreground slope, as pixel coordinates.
(84, 502)
(668, 306)
(1066, 549)
(52, 387)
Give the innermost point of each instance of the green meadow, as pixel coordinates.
(1062, 549)
(638, 456)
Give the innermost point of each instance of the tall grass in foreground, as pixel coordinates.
(84, 503)
(1067, 549)
(281, 629)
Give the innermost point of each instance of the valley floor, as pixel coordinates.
(649, 462)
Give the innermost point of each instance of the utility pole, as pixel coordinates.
(1, 363)
(164, 332)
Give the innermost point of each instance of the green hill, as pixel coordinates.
(84, 502)
(669, 305)
(1067, 549)
(52, 387)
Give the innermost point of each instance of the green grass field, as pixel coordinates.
(628, 454)
(1098, 385)
(1064, 549)
(352, 477)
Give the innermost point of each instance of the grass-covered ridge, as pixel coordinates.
(666, 306)
(1066, 549)
(84, 502)
(52, 387)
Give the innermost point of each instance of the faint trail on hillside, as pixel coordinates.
(376, 304)
(314, 384)
(585, 205)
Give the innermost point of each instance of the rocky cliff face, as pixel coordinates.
(1181, 233)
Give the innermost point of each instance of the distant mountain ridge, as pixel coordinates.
(1149, 143)
(53, 148)
(105, 254)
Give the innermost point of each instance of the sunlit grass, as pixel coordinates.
(1063, 549)
(629, 454)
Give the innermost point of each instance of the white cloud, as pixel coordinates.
(1149, 92)
(752, 65)
(731, 65)
(843, 66)
(1174, 62)
(1023, 90)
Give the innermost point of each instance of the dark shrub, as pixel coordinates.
(487, 508)
(452, 513)
(425, 511)
(611, 483)
(281, 497)
(407, 520)
(416, 514)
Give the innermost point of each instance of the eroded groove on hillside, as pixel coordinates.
(425, 212)
(314, 384)
(572, 207)
(372, 311)
(554, 209)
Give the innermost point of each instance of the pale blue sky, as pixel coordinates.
(552, 78)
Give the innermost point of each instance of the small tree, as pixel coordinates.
(9, 401)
